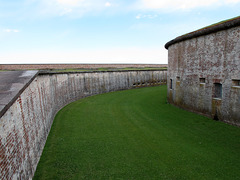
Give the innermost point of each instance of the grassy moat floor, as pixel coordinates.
(136, 134)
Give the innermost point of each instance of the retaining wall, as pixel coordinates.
(204, 71)
(25, 125)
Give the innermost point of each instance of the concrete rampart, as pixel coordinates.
(204, 71)
(25, 125)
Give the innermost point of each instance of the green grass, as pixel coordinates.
(92, 69)
(212, 25)
(136, 134)
(109, 69)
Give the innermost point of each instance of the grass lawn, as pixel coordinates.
(109, 69)
(136, 134)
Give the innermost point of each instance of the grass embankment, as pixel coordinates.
(135, 134)
(110, 69)
(97, 69)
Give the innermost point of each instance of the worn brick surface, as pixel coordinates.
(25, 125)
(215, 57)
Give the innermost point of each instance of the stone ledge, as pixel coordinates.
(13, 83)
(236, 87)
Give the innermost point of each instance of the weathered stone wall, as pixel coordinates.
(198, 66)
(25, 125)
(74, 66)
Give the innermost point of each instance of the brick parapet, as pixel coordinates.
(26, 124)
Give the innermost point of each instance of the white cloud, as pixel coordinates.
(70, 2)
(138, 16)
(149, 16)
(63, 7)
(232, 1)
(108, 4)
(74, 8)
(11, 30)
(183, 4)
(65, 11)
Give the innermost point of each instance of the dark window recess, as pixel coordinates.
(178, 78)
(170, 83)
(202, 80)
(236, 82)
(217, 90)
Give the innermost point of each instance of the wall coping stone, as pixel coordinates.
(12, 84)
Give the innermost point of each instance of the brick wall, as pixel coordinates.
(25, 125)
(201, 66)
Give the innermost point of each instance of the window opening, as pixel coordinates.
(202, 80)
(178, 78)
(236, 82)
(170, 83)
(217, 90)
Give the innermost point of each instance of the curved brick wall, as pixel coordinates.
(204, 71)
(25, 125)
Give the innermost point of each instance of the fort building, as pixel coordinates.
(204, 71)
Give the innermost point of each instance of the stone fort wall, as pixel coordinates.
(26, 124)
(204, 71)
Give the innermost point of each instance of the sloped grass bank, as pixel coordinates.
(135, 134)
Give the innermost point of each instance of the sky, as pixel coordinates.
(101, 31)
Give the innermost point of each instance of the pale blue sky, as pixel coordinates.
(101, 31)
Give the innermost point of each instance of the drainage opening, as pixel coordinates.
(215, 117)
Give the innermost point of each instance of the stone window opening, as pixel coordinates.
(236, 82)
(218, 90)
(202, 80)
(178, 78)
(170, 83)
